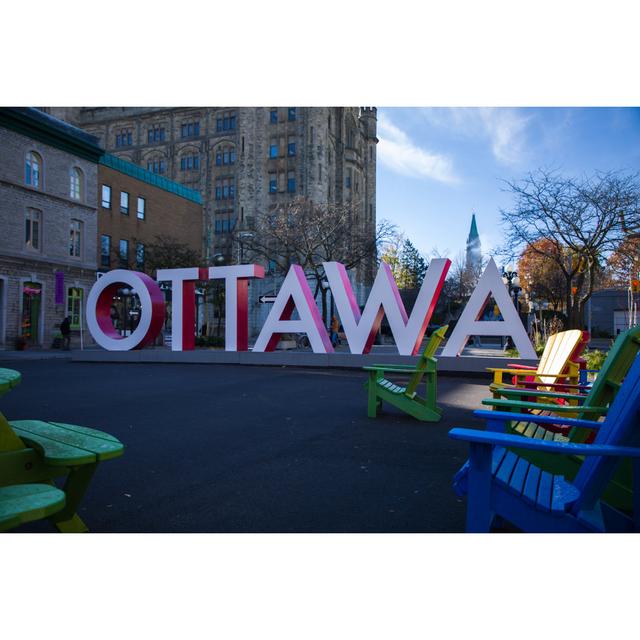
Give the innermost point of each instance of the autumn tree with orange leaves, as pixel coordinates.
(583, 219)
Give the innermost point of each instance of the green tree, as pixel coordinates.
(412, 266)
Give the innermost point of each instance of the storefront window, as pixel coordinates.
(31, 304)
(74, 306)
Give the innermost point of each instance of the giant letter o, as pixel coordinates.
(99, 308)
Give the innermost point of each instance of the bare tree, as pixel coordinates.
(167, 253)
(305, 233)
(585, 219)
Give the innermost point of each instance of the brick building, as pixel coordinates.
(136, 208)
(48, 226)
(245, 161)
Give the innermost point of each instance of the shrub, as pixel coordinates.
(595, 358)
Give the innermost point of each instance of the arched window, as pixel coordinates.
(33, 169)
(75, 183)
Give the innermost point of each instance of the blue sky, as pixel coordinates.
(438, 165)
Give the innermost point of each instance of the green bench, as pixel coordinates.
(406, 398)
(35, 451)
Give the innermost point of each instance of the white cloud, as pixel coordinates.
(400, 154)
(504, 129)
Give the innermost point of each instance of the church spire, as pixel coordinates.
(474, 252)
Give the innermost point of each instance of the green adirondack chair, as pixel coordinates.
(589, 406)
(406, 398)
(34, 452)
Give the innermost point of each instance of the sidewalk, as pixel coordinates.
(35, 354)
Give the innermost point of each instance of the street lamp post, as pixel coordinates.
(512, 281)
(242, 236)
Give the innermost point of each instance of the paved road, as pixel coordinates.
(220, 448)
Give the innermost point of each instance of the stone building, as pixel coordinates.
(245, 161)
(48, 226)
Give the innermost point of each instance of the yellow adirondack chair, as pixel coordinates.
(558, 365)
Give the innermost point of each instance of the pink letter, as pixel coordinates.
(236, 282)
(183, 304)
(99, 310)
(385, 298)
(294, 294)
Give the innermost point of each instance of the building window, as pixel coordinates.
(273, 149)
(105, 251)
(189, 162)
(190, 129)
(123, 254)
(32, 169)
(370, 213)
(273, 116)
(227, 122)
(139, 255)
(75, 239)
(75, 184)
(124, 138)
(347, 181)
(291, 182)
(225, 189)
(291, 148)
(106, 196)
(225, 156)
(124, 203)
(273, 184)
(155, 134)
(370, 153)
(292, 114)
(141, 208)
(32, 237)
(74, 305)
(156, 166)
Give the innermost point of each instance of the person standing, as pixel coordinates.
(335, 327)
(65, 330)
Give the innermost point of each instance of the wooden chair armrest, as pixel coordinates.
(518, 393)
(550, 446)
(539, 406)
(506, 416)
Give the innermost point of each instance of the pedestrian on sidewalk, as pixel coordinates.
(65, 330)
(335, 327)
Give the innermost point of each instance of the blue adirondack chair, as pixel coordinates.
(501, 483)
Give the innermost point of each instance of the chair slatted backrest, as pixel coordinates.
(561, 348)
(611, 375)
(429, 351)
(620, 428)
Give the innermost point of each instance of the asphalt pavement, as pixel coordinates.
(224, 448)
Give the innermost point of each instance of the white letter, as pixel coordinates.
(236, 282)
(294, 293)
(385, 298)
(490, 284)
(99, 310)
(183, 304)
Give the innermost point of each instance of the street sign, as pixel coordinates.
(267, 299)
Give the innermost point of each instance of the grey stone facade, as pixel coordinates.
(333, 160)
(43, 229)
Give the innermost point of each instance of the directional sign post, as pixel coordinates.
(267, 299)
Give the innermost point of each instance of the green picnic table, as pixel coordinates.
(37, 451)
(9, 378)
